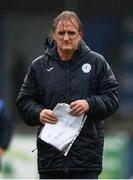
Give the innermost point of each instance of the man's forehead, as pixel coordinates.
(65, 22)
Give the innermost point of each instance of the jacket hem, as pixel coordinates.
(71, 169)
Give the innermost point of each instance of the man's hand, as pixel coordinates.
(47, 116)
(79, 107)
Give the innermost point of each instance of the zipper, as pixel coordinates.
(34, 149)
(67, 101)
(66, 164)
(67, 86)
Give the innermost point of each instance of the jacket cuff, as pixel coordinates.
(90, 105)
(37, 114)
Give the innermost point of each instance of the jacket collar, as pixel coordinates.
(83, 49)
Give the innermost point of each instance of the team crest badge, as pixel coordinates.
(86, 68)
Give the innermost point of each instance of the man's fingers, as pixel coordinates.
(51, 117)
(78, 107)
(50, 121)
(50, 114)
(74, 108)
(76, 112)
(73, 104)
(47, 116)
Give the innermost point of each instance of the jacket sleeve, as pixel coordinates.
(105, 101)
(27, 105)
(6, 127)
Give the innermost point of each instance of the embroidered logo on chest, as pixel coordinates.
(50, 69)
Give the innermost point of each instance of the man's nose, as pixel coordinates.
(66, 36)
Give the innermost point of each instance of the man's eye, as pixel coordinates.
(61, 33)
(71, 33)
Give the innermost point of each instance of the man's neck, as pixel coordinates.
(65, 55)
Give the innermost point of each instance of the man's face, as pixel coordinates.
(67, 35)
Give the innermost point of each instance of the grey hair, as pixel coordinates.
(66, 15)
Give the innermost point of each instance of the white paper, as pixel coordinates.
(64, 131)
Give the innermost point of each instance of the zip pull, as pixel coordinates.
(34, 150)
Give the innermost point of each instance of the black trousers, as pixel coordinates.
(69, 175)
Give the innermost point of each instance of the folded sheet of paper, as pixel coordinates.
(62, 134)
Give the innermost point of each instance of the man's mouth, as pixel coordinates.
(67, 44)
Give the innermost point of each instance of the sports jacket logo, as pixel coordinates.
(50, 69)
(86, 68)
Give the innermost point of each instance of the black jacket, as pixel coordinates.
(49, 81)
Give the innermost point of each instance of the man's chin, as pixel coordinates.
(67, 49)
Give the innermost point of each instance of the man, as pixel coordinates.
(71, 73)
(6, 128)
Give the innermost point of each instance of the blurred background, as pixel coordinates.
(108, 29)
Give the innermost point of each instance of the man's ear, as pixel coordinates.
(80, 38)
(81, 35)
